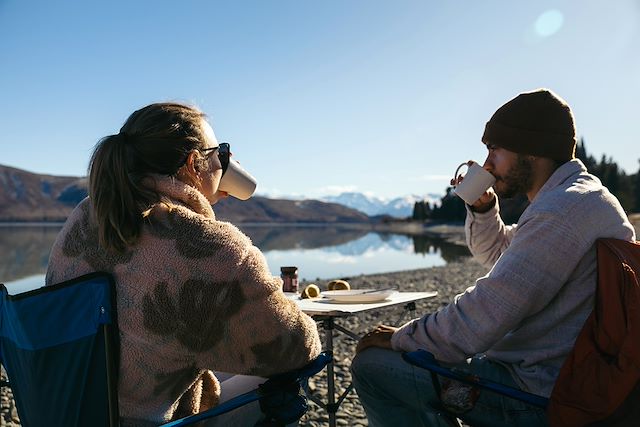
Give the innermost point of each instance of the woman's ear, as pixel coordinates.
(190, 164)
(189, 171)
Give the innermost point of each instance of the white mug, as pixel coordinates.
(237, 182)
(476, 181)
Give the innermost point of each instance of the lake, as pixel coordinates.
(320, 252)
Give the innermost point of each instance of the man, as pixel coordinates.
(519, 322)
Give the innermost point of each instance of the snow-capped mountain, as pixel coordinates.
(400, 207)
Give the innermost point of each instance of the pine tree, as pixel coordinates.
(421, 211)
(581, 153)
(612, 177)
(418, 211)
(428, 210)
(636, 190)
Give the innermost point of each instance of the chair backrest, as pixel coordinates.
(602, 371)
(58, 346)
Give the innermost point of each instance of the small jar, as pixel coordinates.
(289, 279)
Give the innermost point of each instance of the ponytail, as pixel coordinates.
(115, 194)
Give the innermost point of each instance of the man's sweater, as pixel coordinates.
(527, 311)
(193, 296)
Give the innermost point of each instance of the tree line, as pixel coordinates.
(625, 187)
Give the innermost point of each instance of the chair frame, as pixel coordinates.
(424, 359)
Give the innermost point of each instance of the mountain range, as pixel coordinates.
(399, 207)
(31, 197)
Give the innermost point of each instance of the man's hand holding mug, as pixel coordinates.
(475, 186)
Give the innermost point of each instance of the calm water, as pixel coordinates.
(319, 252)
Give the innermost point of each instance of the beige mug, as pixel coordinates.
(476, 181)
(237, 181)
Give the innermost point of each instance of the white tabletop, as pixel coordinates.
(325, 307)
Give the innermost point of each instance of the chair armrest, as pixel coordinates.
(424, 359)
(281, 383)
(301, 374)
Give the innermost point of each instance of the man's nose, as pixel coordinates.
(488, 164)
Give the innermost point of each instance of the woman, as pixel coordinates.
(194, 295)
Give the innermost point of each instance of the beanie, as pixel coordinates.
(539, 123)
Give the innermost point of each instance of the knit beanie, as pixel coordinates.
(539, 123)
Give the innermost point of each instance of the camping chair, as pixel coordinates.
(58, 345)
(599, 383)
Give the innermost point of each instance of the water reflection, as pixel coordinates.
(25, 250)
(430, 244)
(280, 237)
(330, 252)
(320, 251)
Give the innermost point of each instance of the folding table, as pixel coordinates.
(326, 312)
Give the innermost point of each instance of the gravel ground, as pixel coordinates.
(8, 412)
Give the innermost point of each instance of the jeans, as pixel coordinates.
(396, 393)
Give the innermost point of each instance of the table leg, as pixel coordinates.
(331, 406)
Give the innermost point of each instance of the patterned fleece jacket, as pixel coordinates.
(527, 311)
(193, 296)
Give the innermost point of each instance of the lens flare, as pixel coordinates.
(549, 23)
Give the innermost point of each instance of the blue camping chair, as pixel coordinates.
(59, 347)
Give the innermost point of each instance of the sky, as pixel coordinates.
(316, 97)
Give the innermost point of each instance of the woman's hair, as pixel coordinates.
(156, 139)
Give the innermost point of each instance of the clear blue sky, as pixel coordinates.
(385, 97)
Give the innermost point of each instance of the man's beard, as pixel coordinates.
(517, 180)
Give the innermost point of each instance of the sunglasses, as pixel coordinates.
(224, 152)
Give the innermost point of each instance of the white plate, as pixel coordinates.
(358, 295)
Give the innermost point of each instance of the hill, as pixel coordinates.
(28, 197)
(31, 197)
(261, 209)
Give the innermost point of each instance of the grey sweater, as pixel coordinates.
(528, 310)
